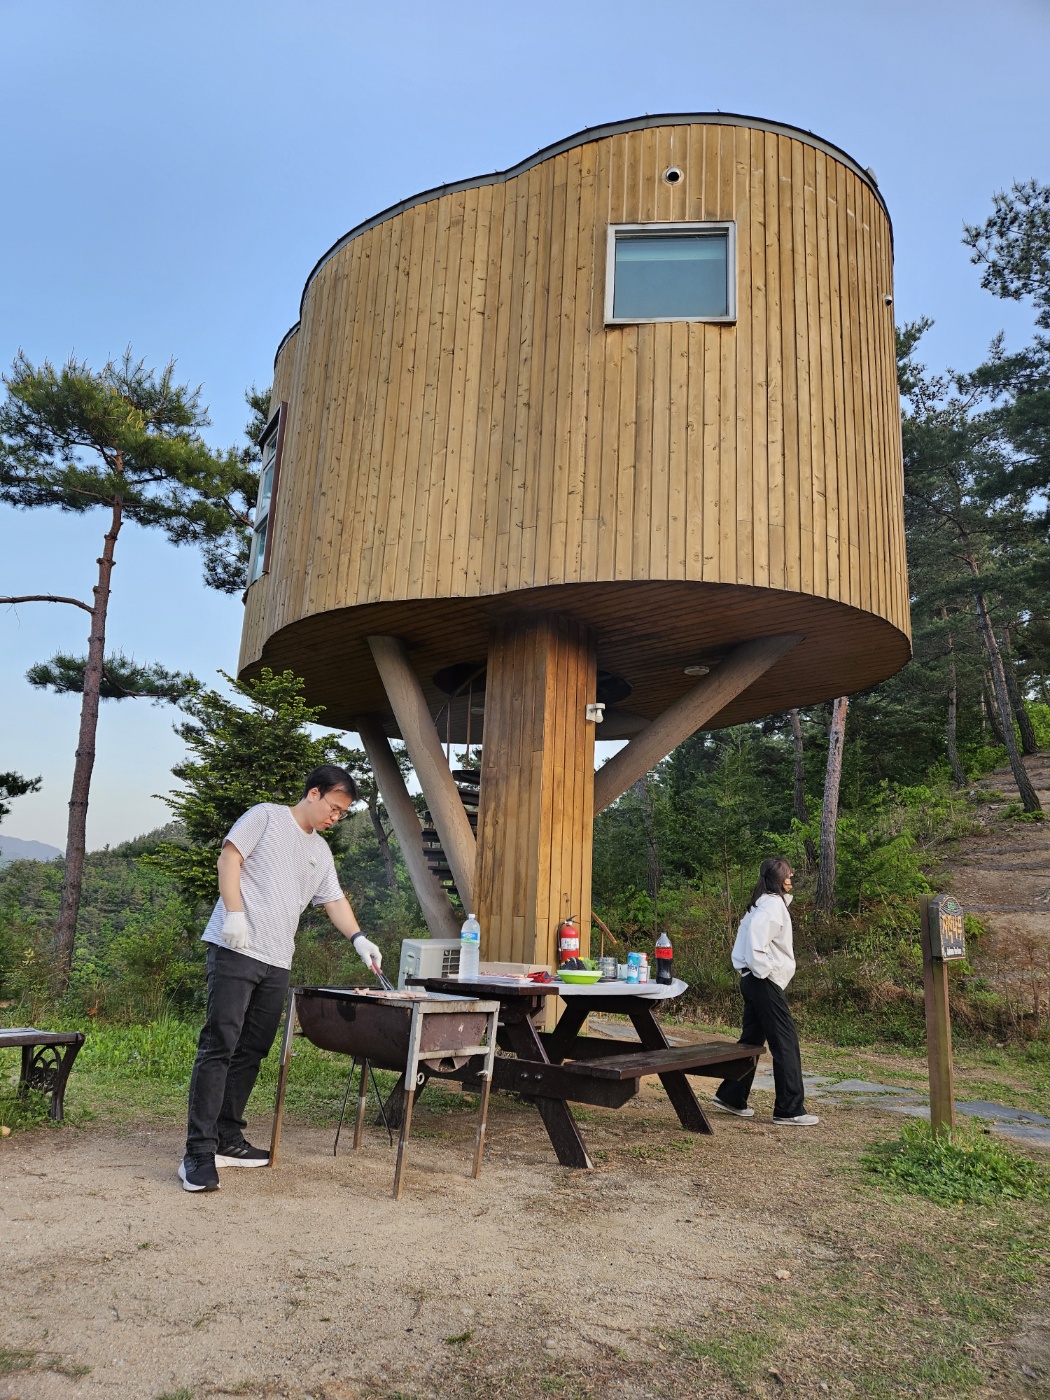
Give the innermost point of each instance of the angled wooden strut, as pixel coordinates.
(434, 902)
(740, 669)
(428, 759)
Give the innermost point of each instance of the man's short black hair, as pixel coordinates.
(328, 777)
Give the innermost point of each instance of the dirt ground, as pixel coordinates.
(1002, 873)
(308, 1280)
(311, 1279)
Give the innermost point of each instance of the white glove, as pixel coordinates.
(235, 930)
(368, 953)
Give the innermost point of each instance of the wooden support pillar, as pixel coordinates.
(537, 784)
(437, 911)
(938, 1031)
(428, 759)
(740, 669)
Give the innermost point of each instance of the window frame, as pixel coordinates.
(274, 428)
(726, 226)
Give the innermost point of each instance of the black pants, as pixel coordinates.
(767, 1018)
(245, 1001)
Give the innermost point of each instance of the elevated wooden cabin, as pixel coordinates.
(619, 424)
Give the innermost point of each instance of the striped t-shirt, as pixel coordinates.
(284, 870)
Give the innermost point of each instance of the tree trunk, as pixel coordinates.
(652, 847)
(825, 894)
(1029, 743)
(383, 837)
(952, 740)
(1029, 800)
(991, 711)
(76, 831)
(801, 811)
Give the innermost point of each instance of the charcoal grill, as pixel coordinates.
(394, 1032)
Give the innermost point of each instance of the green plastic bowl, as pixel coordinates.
(583, 977)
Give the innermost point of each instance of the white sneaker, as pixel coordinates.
(736, 1112)
(801, 1120)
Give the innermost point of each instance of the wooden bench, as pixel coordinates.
(47, 1058)
(712, 1060)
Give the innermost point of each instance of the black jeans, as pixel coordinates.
(767, 1018)
(245, 1002)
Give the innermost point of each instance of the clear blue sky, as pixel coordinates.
(171, 174)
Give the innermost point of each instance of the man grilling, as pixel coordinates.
(273, 863)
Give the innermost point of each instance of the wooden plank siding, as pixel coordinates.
(463, 425)
(537, 788)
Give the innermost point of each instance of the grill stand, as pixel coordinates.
(414, 1077)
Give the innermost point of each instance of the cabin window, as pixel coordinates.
(269, 475)
(670, 272)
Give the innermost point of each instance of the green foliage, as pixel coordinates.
(964, 1166)
(14, 785)
(79, 438)
(226, 555)
(22, 1109)
(1013, 246)
(122, 678)
(137, 950)
(252, 749)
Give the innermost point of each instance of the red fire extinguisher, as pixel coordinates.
(568, 940)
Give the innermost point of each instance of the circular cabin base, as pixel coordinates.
(640, 629)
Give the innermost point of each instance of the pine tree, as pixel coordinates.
(127, 441)
(253, 748)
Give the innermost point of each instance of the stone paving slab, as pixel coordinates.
(1031, 1133)
(862, 1086)
(999, 1112)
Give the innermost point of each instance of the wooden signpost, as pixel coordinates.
(942, 941)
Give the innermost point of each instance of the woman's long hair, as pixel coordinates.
(771, 876)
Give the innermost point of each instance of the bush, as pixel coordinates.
(966, 1166)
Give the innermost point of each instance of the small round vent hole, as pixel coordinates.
(672, 176)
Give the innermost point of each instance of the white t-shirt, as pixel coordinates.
(763, 944)
(284, 870)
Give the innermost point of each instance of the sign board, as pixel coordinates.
(946, 928)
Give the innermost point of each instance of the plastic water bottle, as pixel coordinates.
(469, 949)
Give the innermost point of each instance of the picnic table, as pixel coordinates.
(555, 1068)
(47, 1058)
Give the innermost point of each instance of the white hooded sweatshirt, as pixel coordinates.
(763, 944)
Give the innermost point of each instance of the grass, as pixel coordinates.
(12, 1361)
(28, 1109)
(925, 1315)
(963, 1167)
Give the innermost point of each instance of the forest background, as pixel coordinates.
(680, 850)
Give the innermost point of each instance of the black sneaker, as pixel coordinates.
(242, 1154)
(198, 1173)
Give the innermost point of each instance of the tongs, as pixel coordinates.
(383, 980)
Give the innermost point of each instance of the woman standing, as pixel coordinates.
(764, 957)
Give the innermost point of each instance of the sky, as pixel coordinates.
(172, 173)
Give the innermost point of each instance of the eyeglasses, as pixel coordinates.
(340, 812)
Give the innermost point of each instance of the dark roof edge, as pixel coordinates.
(581, 138)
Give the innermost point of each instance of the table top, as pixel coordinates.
(510, 988)
(653, 991)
